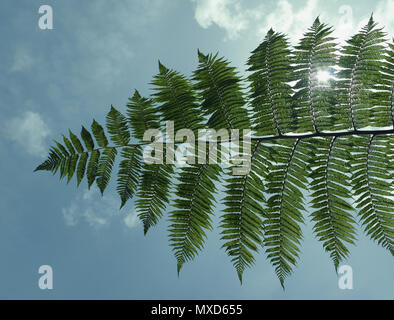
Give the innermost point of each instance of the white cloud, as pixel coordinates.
(95, 210)
(29, 131)
(227, 14)
(384, 15)
(132, 220)
(295, 22)
(22, 60)
(287, 20)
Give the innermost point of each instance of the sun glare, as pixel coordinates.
(323, 76)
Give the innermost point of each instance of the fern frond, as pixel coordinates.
(177, 99)
(192, 210)
(117, 127)
(386, 94)
(242, 222)
(361, 61)
(270, 90)
(372, 188)
(141, 115)
(334, 224)
(315, 101)
(104, 167)
(316, 134)
(286, 183)
(129, 173)
(153, 193)
(220, 89)
(87, 139)
(99, 134)
(91, 172)
(82, 167)
(51, 163)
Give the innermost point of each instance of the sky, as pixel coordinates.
(97, 53)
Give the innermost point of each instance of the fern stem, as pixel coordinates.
(310, 87)
(391, 103)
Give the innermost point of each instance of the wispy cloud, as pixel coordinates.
(28, 130)
(132, 220)
(226, 14)
(284, 18)
(23, 60)
(384, 14)
(95, 210)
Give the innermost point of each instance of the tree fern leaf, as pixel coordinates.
(87, 139)
(129, 172)
(371, 185)
(82, 167)
(334, 224)
(177, 99)
(286, 182)
(91, 172)
(117, 127)
(72, 166)
(76, 142)
(141, 115)
(270, 91)
(361, 68)
(314, 100)
(104, 167)
(69, 145)
(193, 207)
(153, 193)
(220, 89)
(99, 134)
(242, 221)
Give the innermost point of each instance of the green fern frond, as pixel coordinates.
(385, 96)
(91, 172)
(271, 93)
(104, 167)
(129, 173)
(333, 222)
(153, 193)
(286, 183)
(220, 90)
(82, 167)
(177, 99)
(192, 210)
(117, 127)
(87, 139)
(142, 115)
(314, 100)
(99, 134)
(361, 61)
(372, 183)
(335, 137)
(242, 222)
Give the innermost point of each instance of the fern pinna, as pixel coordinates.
(329, 141)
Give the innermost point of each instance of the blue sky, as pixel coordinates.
(97, 53)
